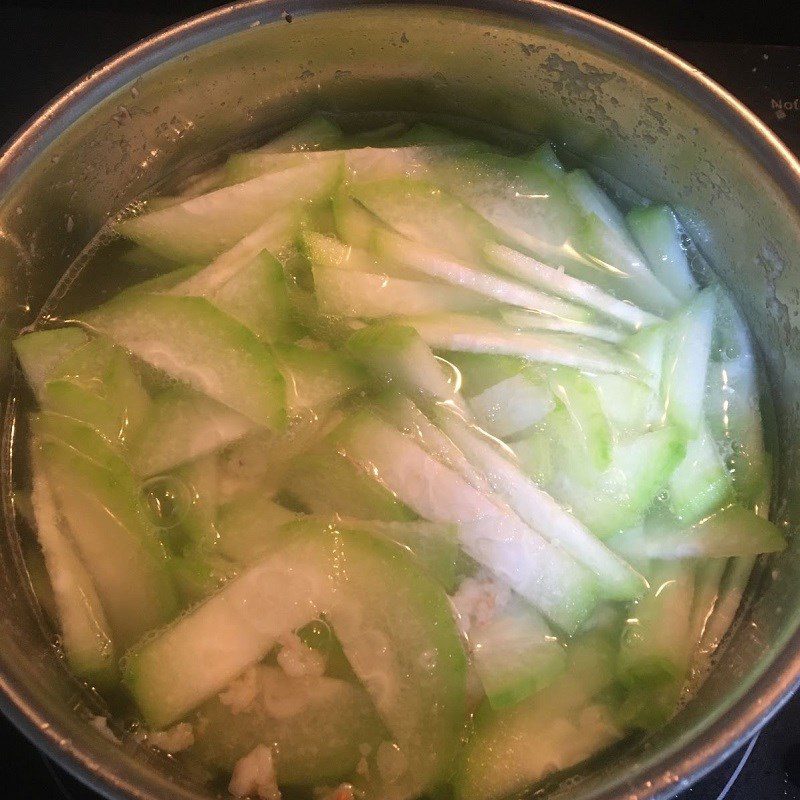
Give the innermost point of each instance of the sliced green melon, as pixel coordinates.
(655, 649)
(732, 531)
(393, 621)
(249, 526)
(116, 542)
(100, 385)
(200, 228)
(488, 530)
(316, 378)
(424, 213)
(474, 334)
(346, 293)
(183, 425)
(513, 405)
(686, 358)
(257, 296)
(512, 749)
(315, 133)
(515, 653)
(324, 482)
(701, 483)
(85, 633)
(619, 497)
(397, 356)
(317, 727)
(41, 352)
(275, 236)
(194, 342)
(656, 231)
(553, 280)
(439, 265)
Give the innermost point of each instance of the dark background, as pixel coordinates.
(752, 48)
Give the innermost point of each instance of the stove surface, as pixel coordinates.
(767, 79)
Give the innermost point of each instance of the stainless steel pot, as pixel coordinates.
(628, 106)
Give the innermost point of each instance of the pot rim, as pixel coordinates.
(775, 686)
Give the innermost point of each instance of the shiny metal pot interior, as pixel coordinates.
(628, 107)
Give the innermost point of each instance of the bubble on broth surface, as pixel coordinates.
(167, 499)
